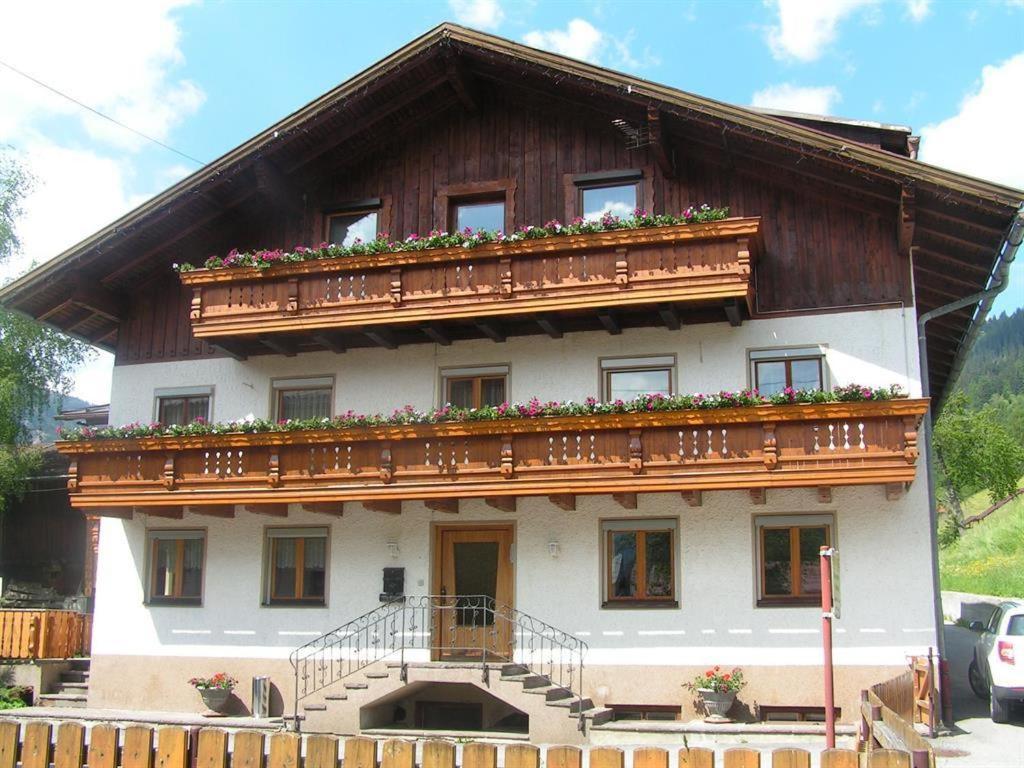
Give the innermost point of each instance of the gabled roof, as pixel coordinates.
(78, 290)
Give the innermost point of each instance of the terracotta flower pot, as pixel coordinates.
(215, 699)
(716, 704)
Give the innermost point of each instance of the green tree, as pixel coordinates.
(35, 361)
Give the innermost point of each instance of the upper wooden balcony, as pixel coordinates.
(606, 279)
(755, 448)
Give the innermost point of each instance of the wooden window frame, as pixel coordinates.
(478, 386)
(788, 361)
(380, 205)
(153, 538)
(796, 598)
(475, 191)
(477, 373)
(575, 183)
(645, 710)
(187, 418)
(277, 392)
(640, 599)
(609, 365)
(270, 598)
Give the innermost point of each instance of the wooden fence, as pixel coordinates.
(36, 746)
(891, 709)
(28, 634)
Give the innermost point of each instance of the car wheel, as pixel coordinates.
(977, 680)
(999, 709)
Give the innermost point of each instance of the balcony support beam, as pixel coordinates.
(448, 506)
(386, 506)
(436, 334)
(124, 513)
(333, 508)
(502, 503)
(212, 510)
(693, 498)
(824, 494)
(330, 341)
(670, 317)
(281, 346)
(894, 491)
(610, 321)
(273, 510)
(733, 313)
(758, 496)
(625, 500)
(550, 327)
(566, 501)
(382, 338)
(231, 349)
(170, 511)
(492, 330)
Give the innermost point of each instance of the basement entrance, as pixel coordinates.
(425, 706)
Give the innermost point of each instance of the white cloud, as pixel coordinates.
(582, 40)
(817, 100)
(980, 138)
(481, 14)
(918, 10)
(805, 28)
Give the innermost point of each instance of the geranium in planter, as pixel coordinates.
(717, 691)
(215, 690)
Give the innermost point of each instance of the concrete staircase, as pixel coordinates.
(553, 711)
(72, 689)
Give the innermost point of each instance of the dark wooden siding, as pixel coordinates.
(823, 249)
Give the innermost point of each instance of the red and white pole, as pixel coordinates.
(826, 645)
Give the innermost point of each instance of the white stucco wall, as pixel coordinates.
(885, 581)
(875, 348)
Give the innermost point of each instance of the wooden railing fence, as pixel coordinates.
(44, 634)
(37, 746)
(891, 709)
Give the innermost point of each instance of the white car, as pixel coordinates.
(997, 671)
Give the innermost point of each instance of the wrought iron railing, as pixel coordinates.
(474, 629)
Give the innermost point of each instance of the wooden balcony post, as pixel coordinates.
(910, 451)
(195, 312)
(505, 277)
(274, 471)
(395, 286)
(293, 295)
(743, 256)
(168, 475)
(507, 459)
(771, 448)
(73, 476)
(387, 467)
(622, 266)
(636, 452)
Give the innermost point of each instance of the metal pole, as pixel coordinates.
(826, 645)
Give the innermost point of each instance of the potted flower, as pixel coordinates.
(215, 690)
(717, 691)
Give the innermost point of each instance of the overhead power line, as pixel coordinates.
(96, 112)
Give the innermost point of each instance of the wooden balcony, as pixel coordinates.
(27, 633)
(656, 272)
(755, 448)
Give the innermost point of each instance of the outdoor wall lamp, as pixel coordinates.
(393, 549)
(554, 548)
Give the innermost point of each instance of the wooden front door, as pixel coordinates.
(473, 579)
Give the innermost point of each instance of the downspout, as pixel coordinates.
(998, 279)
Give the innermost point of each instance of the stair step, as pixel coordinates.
(80, 665)
(536, 681)
(509, 670)
(314, 707)
(74, 676)
(543, 690)
(336, 697)
(356, 686)
(598, 715)
(557, 693)
(573, 704)
(376, 675)
(61, 700)
(66, 687)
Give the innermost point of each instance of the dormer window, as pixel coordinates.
(355, 221)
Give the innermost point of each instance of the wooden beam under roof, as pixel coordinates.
(170, 511)
(270, 509)
(448, 506)
(461, 81)
(663, 155)
(382, 337)
(550, 326)
(272, 184)
(386, 506)
(566, 501)
(436, 333)
(212, 510)
(610, 321)
(625, 500)
(502, 503)
(333, 508)
(492, 329)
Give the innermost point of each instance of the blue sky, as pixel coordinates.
(203, 77)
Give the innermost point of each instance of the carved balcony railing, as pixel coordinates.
(753, 448)
(693, 264)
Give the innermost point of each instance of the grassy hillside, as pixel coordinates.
(989, 557)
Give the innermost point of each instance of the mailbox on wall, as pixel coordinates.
(394, 585)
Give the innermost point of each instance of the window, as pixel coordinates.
(639, 562)
(788, 559)
(176, 567)
(625, 378)
(616, 192)
(183, 405)
(1015, 626)
(296, 566)
(303, 398)
(475, 387)
(478, 214)
(645, 711)
(344, 228)
(775, 369)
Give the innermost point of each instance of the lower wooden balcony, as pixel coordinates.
(757, 448)
(607, 280)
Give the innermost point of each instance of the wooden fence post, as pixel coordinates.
(516, 756)
(438, 754)
(284, 750)
(608, 757)
(137, 751)
(397, 754)
(650, 757)
(564, 757)
(479, 755)
(35, 746)
(8, 744)
(212, 748)
(741, 757)
(360, 753)
(840, 758)
(888, 758)
(696, 757)
(70, 748)
(171, 747)
(791, 758)
(247, 751)
(321, 752)
(102, 746)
